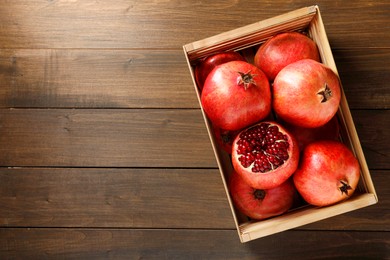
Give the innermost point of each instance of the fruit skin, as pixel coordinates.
(284, 49)
(203, 69)
(225, 138)
(273, 178)
(235, 95)
(268, 203)
(306, 93)
(328, 173)
(305, 136)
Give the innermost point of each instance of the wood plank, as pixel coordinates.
(104, 138)
(100, 24)
(364, 73)
(188, 244)
(127, 138)
(373, 130)
(104, 78)
(95, 78)
(144, 198)
(151, 198)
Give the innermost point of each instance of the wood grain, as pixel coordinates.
(104, 138)
(122, 198)
(373, 127)
(40, 243)
(137, 24)
(38, 78)
(95, 78)
(362, 73)
(144, 198)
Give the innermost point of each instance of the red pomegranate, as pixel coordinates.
(265, 155)
(284, 49)
(261, 204)
(306, 93)
(328, 173)
(235, 95)
(203, 69)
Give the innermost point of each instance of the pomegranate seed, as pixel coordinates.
(263, 148)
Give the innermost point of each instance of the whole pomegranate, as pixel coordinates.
(203, 69)
(261, 204)
(284, 49)
(265, 155)
(328, 173)
(235, 95)
(305, 136)
(306, 93)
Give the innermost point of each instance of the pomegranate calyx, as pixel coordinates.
(226, 138)
(326, 93)
(246, 79)
(259, 194)
(345, 187)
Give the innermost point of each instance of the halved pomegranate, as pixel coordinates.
(265, 155)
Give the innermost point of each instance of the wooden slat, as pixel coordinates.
(150, 79)
(95, 78)
(104, 138)
(373, 130)
(101, 24)
(144, 198)
(188, 244)
(149, 198)
(250, 35)
(137, 138)
(363, 73)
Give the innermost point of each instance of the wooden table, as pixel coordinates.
(103, 148)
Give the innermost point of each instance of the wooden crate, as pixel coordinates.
(246, 40)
